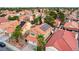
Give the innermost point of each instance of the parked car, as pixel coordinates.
(2, 44)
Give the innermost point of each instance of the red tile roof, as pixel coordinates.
(36, 30)
(9, 26)
(3, 19)
(63, 40)
(72, 25)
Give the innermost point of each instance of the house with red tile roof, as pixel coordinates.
(71, 25)
(43, 29)
(3, 19)
(63, 40)
(22, 18)
(9, 27)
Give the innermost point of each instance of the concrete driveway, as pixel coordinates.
(5, 49)
(2, 39)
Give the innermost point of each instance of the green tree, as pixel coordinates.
(50, 20)
(52, 14)
(38, 20)
(17, 33)
(62, 16)
(50, 17)
(41, 43)
(13, 18)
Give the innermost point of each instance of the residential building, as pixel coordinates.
(74, 16)
(9, 27)
(26, 27)
(71, 26)
(78, 39)
(3, 19)
(43, 29)
(63, 40)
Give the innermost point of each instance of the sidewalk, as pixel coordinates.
(28, 47)
(10, 47)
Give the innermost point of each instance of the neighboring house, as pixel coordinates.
(37, 13)
(63, 40)
(26, 27)
(3, 19)
(22, 12)
(9, 27)
(74, 16)
(57, 22)
(31, 18)
(44, 29)
(22, 18)
(78, 39)
(71, 25)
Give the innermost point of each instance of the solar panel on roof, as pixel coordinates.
(22, 23)
(44, 27)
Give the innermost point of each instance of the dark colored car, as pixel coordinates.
(2, 44)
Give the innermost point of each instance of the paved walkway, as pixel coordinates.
(2, 39)
(28, 47)
(5, 49)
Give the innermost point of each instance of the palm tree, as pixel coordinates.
(41, 43)
(17, 34)
(37, 20)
